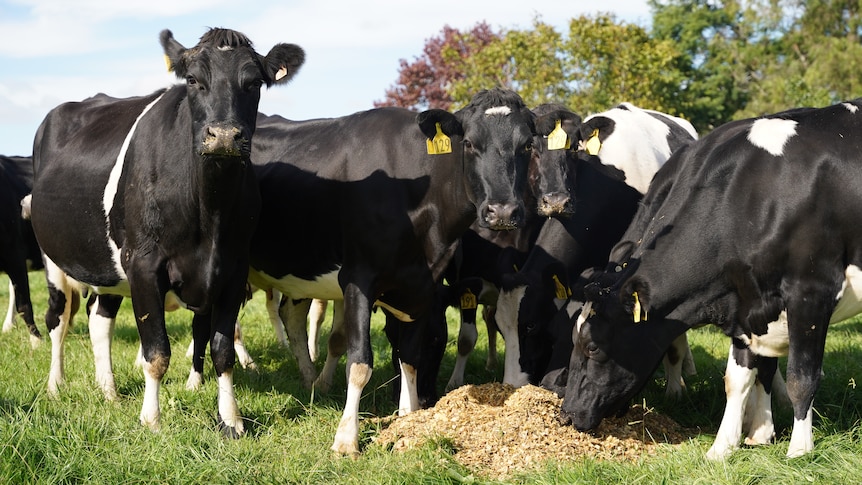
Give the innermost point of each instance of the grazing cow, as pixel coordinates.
(620, 150)
(153, 198)
(726, 248)
(17, 242)
(386, 215)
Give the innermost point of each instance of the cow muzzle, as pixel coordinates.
(555, 204)
(503, 217)
(223, 141)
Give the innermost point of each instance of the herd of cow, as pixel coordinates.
(593, 244)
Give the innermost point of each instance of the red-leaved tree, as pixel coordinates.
(422, 84)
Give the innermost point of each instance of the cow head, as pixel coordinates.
(223, 76)
(617, 346)
(497, 131)
(552, 164)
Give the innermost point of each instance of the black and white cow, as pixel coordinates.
(153, 197)
(386, 216)
(18, 247)
(619, 150)
(484, 256)
(727, 248)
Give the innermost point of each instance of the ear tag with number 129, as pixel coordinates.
(440, 144)
(557, 139)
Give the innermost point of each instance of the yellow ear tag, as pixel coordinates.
(557, 139)
(468, 301)
(440, 144)
(560, 291)
(593, 145)
(168, 64)
(637, 309)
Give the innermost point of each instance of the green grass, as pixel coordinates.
(80, 438)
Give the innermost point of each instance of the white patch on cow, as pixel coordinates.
(772, 134)
(408, 401)
(225, 48)
(850, 297)
(111, 188)
(227, 407)
(467, 336)
(347, 435)
(850, 107)
(508, 305)
(638, 145)
(101, 335)
(774, 343)
(150, 412)
(498, 110)
(582, 318)
(802, 436)
(738, 381)
(324, 287)
(11, 311)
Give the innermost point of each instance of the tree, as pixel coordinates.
(426, 82)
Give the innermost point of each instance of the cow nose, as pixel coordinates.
(503, 217)
(555, 203)
(222, 141)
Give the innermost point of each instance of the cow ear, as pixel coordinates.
(449, 124)
(282, 63)
(592, 134)
(635, 297)
(173, 53)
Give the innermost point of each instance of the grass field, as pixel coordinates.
(80, 438)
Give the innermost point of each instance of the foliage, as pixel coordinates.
(709, 61)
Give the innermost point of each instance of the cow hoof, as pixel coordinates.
(35, 342)
(230, 432)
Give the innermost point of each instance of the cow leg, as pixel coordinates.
(508, 305)
(807, 335)
(273, 303)
(489, 315)
(198, 349)
(316, 315)
(673, 361)
(757, 423)
(19, 296)
(223, 356)
(295, 314)
(336, 347)
(738, 382)
(242, 354)
(360, 362)
(103, 315)
(467, 337)
(62, 302)
(10, 312)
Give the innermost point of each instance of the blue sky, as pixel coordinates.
(55, 51)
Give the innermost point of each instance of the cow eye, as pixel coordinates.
(528, 147)
(468, 145)
(191, 81)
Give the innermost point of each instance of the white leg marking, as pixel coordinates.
(101, 336)
(334, 352)
(316, 315)
(273, 300)
(757, 422)
(227, 407)
(738, 382)
(507, 321)
(11, 312)
(409, 399)
(296, 315)
(467, 337)
(150, 411)
(56, 376)
(347, 436)
(802, 436)
(673, 371)
(242, 354)
(195, 380)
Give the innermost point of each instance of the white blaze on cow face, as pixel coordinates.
(111, 188)
(772, 134)
(498, 110)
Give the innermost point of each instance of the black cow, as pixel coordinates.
(153, 197)
(727, 248)
(618, 152)
(385, 216)
(18, 247)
